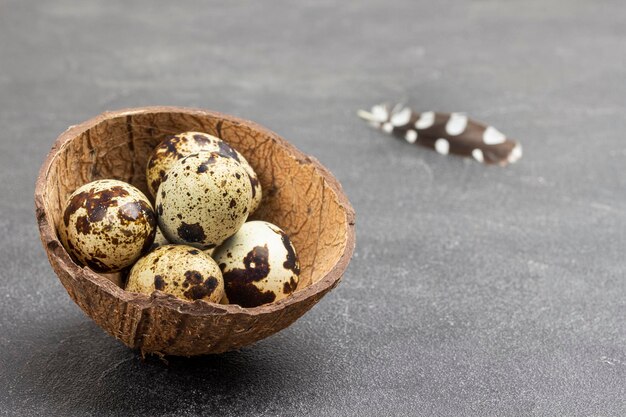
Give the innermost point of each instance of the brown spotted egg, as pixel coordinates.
(176, 147)
(107, 225)
(259, 265)
(203, 199)
(180, 270)
(159, 240)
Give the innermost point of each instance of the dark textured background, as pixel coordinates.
(473, 290)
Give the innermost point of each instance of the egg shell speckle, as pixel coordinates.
(259, 265)
(107, 225)
(203, 199)
(180, 270)
(159, 240)
(176, 147)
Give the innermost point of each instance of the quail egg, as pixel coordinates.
(159, 240)
(203, 199)
(180, 270)
(178, 146)
(259, 265)
(107, 225)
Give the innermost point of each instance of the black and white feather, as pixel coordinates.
(446, 133)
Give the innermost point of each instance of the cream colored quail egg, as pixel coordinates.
(107, 225)
(176, 147)
(180, 270)
(159, 240)
(203, 199)
(259, 265)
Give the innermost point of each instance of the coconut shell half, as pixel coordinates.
(299, 195)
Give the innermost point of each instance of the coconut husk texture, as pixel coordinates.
(299, 195)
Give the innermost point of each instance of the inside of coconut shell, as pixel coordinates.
(294, 195)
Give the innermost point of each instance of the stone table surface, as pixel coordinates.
(473, 290)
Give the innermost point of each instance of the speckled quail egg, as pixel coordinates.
(180, 270)
(107, 225)
(259, 265)
(159, 240)
(203, 199)
(176, 147)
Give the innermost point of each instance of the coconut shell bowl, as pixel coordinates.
(299, 195)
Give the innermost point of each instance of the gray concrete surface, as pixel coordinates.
(473, 290)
